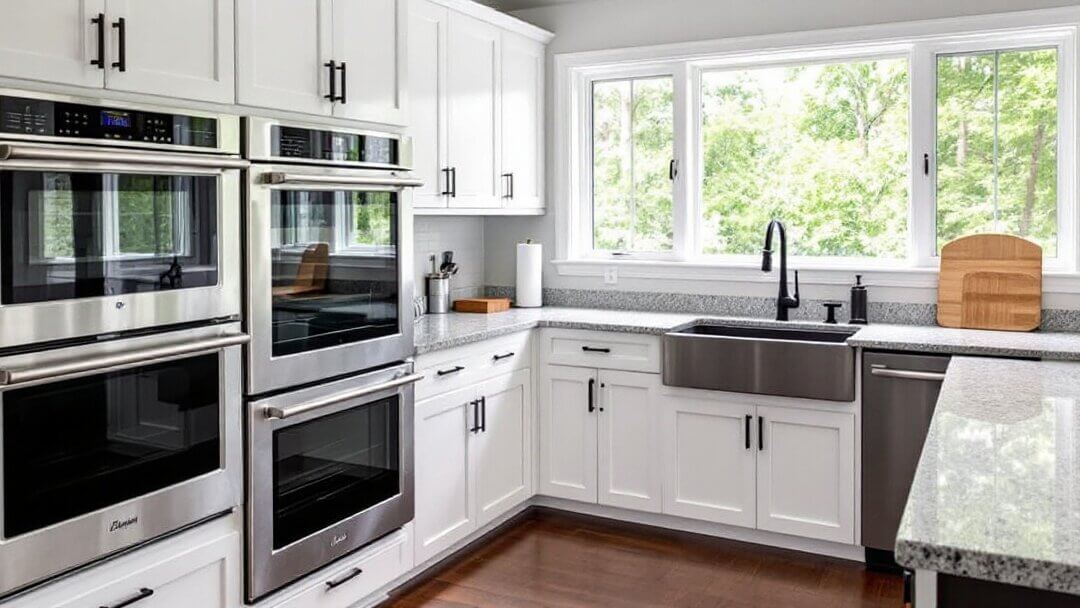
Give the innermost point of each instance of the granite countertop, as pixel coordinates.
(997, 492)
(930, 339)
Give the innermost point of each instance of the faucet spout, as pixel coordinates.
(784, 301)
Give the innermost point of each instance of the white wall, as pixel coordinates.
(462, 235)
(606, 24)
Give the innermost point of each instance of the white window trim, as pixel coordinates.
(919, 41)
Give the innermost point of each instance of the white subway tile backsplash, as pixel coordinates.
(462, 235)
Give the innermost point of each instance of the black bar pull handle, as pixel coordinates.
(600, 404)
(331, 67)
(592, 349)
(475, 416)
(511, 186)
(343, 98)
(592, 399)
(508, 180)
(452, 370)
(749, 418)
(99, 21)
(447, 191)
(926, 164)
(138, 597)
(355, 572)
(761, 432)
(501, 357)
(483, 414)
(121, 49)
(453, 183)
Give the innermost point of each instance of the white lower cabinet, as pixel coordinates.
(806, 473)
(473, 460)
(599, 437)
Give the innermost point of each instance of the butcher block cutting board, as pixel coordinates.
(482, 305)
(990, 281)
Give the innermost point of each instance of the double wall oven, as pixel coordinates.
(121, 362)
(329, 310)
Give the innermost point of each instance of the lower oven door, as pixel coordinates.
(108, 445)
(329, 471)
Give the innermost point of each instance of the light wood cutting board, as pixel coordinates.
(990, 281)
(482, 305)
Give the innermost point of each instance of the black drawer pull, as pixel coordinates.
(138, 597)
(341, 581)
(749, 418)
(761, 432)
(591, 349)
(447, 372)
(592, 403)
(331, 67)
(120, 25)
(99, 21)
(501, 357)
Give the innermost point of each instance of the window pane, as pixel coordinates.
(633, 135)
(997, 145)
(822, 147)
(372, 218)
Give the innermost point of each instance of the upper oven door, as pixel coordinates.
(329, 281)
(96, 241)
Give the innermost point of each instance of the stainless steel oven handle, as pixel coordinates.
(347, 181)
(906, 374)
(281, 413)
(17, 151)
(9, 377)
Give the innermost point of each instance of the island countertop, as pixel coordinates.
(997, 492)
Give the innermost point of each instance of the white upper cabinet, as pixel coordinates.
(173, 49)
(54, 41)
(522, 113)
(472, 106)
(369, 44)
(281, 48)
(428, 27)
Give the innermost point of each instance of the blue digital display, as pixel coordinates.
(111, 118)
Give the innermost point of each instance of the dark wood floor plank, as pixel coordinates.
(560, 560)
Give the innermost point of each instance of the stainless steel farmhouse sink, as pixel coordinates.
(790, 362)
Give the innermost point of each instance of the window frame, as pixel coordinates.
(919, 43)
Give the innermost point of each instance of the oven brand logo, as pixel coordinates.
(337, 540)
(120, 524)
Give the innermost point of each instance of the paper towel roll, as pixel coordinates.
(530, 262)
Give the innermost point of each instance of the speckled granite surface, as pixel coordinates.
(997, 491)
(1037, 345)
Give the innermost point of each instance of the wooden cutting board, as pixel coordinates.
(482, 305)
(990, 281)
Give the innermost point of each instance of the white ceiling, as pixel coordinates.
(516, 5)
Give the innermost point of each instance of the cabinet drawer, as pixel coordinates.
(604, 350)
(356, 577)
(200, 567)
(454, 368)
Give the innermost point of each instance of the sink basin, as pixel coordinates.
(801, 362)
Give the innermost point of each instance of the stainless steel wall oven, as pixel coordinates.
(114, 217)
(107, 445)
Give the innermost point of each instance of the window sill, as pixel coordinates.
(809, 273)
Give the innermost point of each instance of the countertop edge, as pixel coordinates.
(994, 567)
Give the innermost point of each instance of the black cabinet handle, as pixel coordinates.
(590, 349)
(600, 405)
(761, 432)
(138, 597)
(343, 98)
(447, 172)
(501, 357)
(475, 416)
(592, 402)
(483, 414)
(749, 418)
(99, 21)
(331, 67)
(509, 179)
(447, 372)
(121, 50)
(341, 581)
(453, 182)
(926, 164)
(673, 169)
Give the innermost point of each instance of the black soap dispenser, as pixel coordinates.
(858, 302)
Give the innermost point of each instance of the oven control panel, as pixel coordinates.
(25, 116)
(336, 146)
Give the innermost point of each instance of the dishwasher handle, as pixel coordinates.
(906, 374)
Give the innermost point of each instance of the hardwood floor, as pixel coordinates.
(559, 559)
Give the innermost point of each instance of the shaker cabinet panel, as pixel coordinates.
(522, 110)
(369, 39)
(568, 433)
(53, 41)
(628, 440)
(428, 31)
(502, 454)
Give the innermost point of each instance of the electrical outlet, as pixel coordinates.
(611, 275)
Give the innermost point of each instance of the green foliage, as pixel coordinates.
(372, 219)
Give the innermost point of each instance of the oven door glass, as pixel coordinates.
(333, 467)
(74, 446)
(69, 234)
(335, 257)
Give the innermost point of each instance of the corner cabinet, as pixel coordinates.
(157, 47)
(477, 82)
(340, 58)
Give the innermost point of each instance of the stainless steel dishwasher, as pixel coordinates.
(899, 394)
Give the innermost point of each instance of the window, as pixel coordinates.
(873, 154)
(632, 140)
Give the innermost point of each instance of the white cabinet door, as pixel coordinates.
(568, 433)
(369, 39)
(53, 41)
(806, 473)
(522, 133)
(445, 512)
(501, 453)
(175, 49)
(281, 48)
(628, 442)
(710, 452)
(472, 91)
(428, 28)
